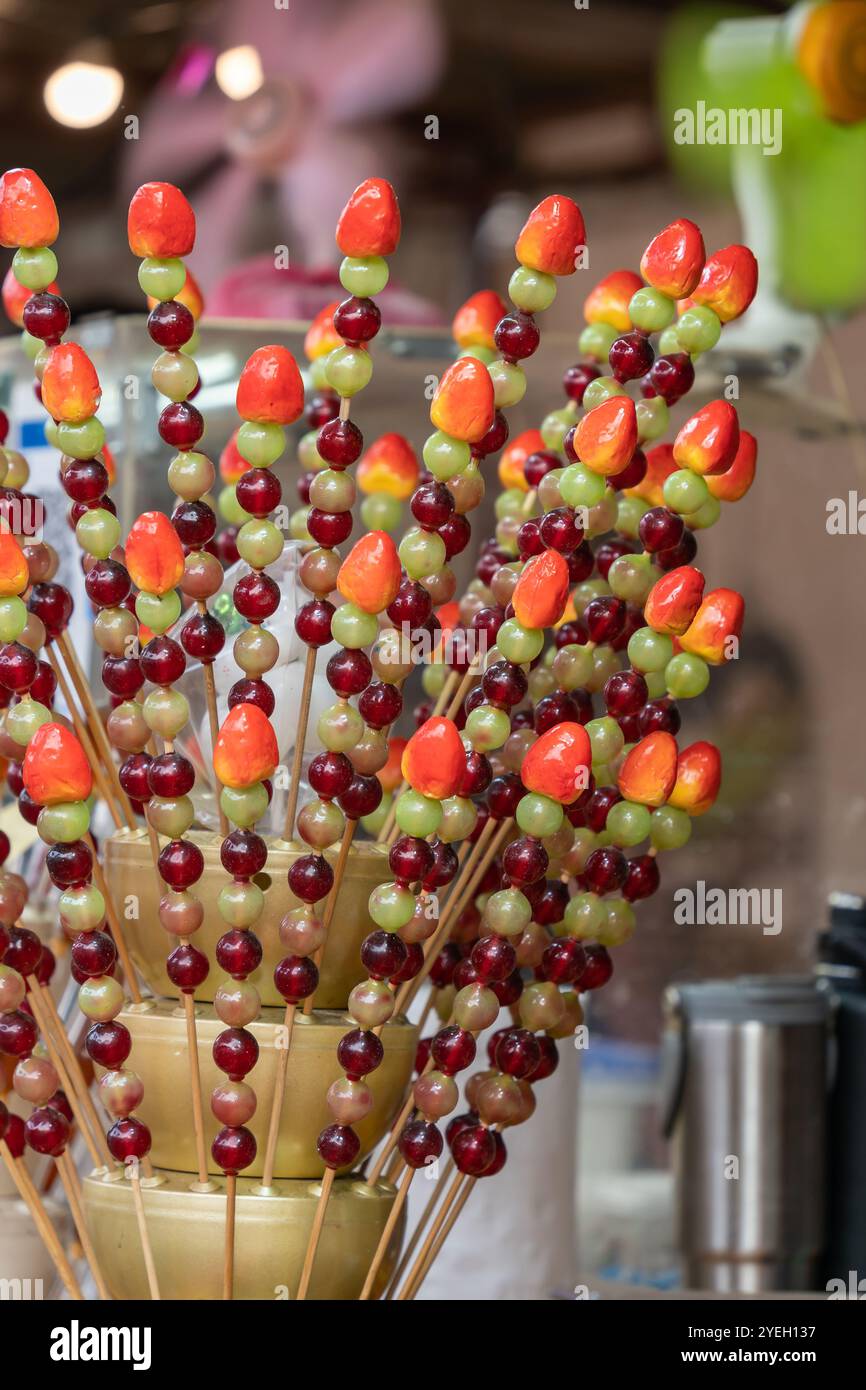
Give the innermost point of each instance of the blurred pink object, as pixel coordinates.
(257, 290)
(330, 69)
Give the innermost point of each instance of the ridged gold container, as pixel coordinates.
(136, 889)
(187, 1235)
(159, 1056)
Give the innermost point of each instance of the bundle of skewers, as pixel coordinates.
(277, 1028)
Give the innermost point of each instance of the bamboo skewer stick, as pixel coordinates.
(195, 1085)
(146, 1250)
(385, 1238)
(74, 1068)
(100, 737)
(300, 741)
(430, 1238)
(435, 1195)
(463, 689)
(229, 1254)
(114, 923)
(278, 1097)
(51, 1240)
(331, 902)
(446, 1222)
(84, 739)
(69, 1178)
(316, 1233)
(99, 1153)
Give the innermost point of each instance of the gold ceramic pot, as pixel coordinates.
(136, 889)
(187, 1233)
(159, 1056)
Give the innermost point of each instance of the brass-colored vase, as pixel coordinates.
(159, 1053)
(136, 889)
(187, 1236)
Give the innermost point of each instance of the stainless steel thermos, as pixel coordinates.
(745, 1079)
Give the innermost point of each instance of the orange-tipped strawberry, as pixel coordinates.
(232, 462)
(154, 555)
(28, 216)
(660, 464)
(389, 466)
(714, 632)
(606, 437)
(369, 224)
(246, 748)
(474, 323)
(189, 295)
(552, 236)
(463, 403)
(609, 301)
(370, 574)
(321, 336)
(729, 282)
(674, 600)
(70, 386)
(708, 442)
(434, 759)
(674, 259)
(391, 774)
(16, 295)
(699, 776)
(56, 767)
(14, 570)
(735, 482)
(514, 456)
(270, 390)
(558, 763)
(541, 592)
(649, 771)
(160, 222)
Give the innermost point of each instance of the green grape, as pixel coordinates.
(619, 924)
(507, 912)
(418, 815)
(572, 666)
(13, 618)
(22, 720)
(391, 907)
(653, 418)
(632, 576)
(64, 822)
(260, 543)
(363, 276)
(555, 426)
(655, 684)
(510, 503)
(587, 591)
(348, 370)
(685, 491)
(298, 524)
(628, 516)
(605, 662)
(379, 512)
(162, 278)
(374, 824)
(308, 449)
(705, 516)
(517, 643)
(648, 650)
(509, 383)
(698, 330)
(532, 291)
(669, 343)
(601, 390)
(82, 909)
(459, 815)
(596, 341)
(433, 678)
(580, 487)
(481, 352)
(421, 552)
(628, 823)
(686, 676)
(670, 828)
(487, 728)
(230, 508)
(584, 916)
(31, 348)
(603, 517)
(605, 738)
(584, 843)
(34, 267)
(445, 457)
(81, 441)
(260, 442)
(98, 532)
(539, 815)
(159, 612)
(353, 628)
(650, 310)
(245, 805)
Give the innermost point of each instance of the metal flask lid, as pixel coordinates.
(780, 1000)
(773, 1001)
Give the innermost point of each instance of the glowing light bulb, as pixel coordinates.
(82, 94)
(239, 71)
